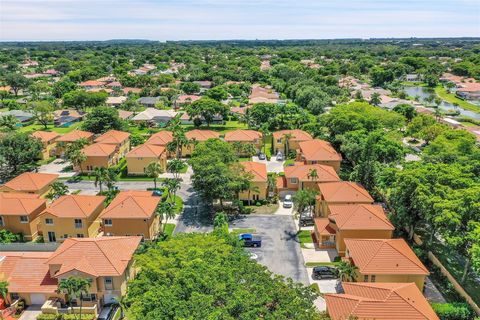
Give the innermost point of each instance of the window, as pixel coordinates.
(1, 222)
(89, 297)
(108, 283)
(294, 180)
(65, 236)
(23, 219)
(279, 140)
(49, 221)
(80, 235)
(108, 222)
(78, 223)
(365, 278)
(372, 278)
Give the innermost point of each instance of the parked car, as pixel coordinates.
(249, 240)
(280, 156)
(157, 193)
(261, 156)
(306, 219)
(108, 311)
(287, 201)
(324, 272)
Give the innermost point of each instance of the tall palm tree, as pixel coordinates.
(165, 210)
(153, 170)
(111, 178)
(100, 174)
(252, 188)
(77, 157)
(74, 287)
(312, 174)
(287, 137)
(272, 181)
(265, 133)
(347, 271)
(4, 290)
(175, 166)
(173, 185)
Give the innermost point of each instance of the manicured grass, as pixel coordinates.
(264, 209)
(178, 204)
(243, 230)
(168, 229)
(450, 97)
(289, 162)
(243, 159)
(305, 237)
(414, 84)
(45, 161)
(50, 127)
(314, 264)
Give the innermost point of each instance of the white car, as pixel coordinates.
(287, 202)
(279, 156)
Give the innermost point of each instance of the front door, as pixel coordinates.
(51, 236)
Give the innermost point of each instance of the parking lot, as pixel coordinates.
(272, 166)
(280, 250)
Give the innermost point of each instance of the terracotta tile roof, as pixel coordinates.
(259, 170)
(384, 256)
(99, 150)
(243, 135)
(26, 272)
(359, 217)
(187, 98)
(123, 114)
(19, 204)
(323, 226)
(469, 87)
(161, 138)
(318, 150)
(301, 172)
(75, 206)
(113, 137)
(380, 301)
(30, 181)
(202, 135)
(344, 192)
(297, 135)
(132, 90)
(147, 151)
(45, 136)
(92, 83)
(131, 205)
(104, 256)
(75, 135)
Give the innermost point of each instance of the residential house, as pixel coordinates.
(20, 115)
(204, 84)
(359, 221)
(186, 119)
(128, 90)
(107, 261)
(195, 136)
(119, 139)
(64, 141)
(261, 94)
(19, 213)
(161, 138)
(48, 140)
(153, 115)
(280, 141)
(71, 216)
(308, 176)
(67, 117)
(185, 99)
(141, 156)
(148, 102)
(92, 84)
(385, 260)
(380, 301)
(412, 77)
(341, 192)
(319, 152)
(98, 155)
(125, 115)
(132, 213)
(115, 101)
(30, 182)
(259, 181)
(245, 137)
(469, 91)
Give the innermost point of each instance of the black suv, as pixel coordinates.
(306, 219)
(324, 272)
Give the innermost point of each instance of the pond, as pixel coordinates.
(424, 93)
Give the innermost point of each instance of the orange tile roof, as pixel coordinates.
(259, 170)
(75, 206)
(113, 137)
(379, 301)
(344, 192)
(297, 135)
(201, 135)
(242, 135)
(187, 98)
(384, 256)
(92, 83)
(319, 150)
(301, 172)
(19, 204)
(147, 151)
(45, 136)
(131, 205)
(26, 272)
(323, 226)
(359, 217)
(104, 256)
(99, 150)
(161, 138)
(75, 135)
(31, 182)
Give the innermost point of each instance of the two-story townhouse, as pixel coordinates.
(141, 156)
(259, 175)
(307, 176)
(116, 138)
(196, 136)
(19, 213)
(49, 142)
(287, 140)
(64, 141)
(132, 213)
(30, 182)
(319, 152)
(245, 137)
(71, 216)
(98, 155)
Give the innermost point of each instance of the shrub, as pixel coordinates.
(453, 311)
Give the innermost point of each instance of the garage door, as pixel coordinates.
(37, 298)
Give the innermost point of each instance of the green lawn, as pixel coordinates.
(304, 237)
(243, 230)
(50, 127)
(289, 162)
(168, 229)
(450, 97)
(264, 209)
(314, 264)
(178, 204)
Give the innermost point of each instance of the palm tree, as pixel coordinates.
(375, 99)
(287, 137)
(74, 287)
(312, 174)
(265, 132)
(238, 147)
(111, 178)
(77, 157)
(251, 188)
(153, 170)
(100, 174)
(272, 181)
(58, 189)
(175, 166)
(4, 290)
(165, 210)
(347, 271)
(173, 185)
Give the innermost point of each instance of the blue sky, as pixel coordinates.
(236, 19)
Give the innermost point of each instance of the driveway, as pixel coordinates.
(58, 166)
(272, 165)
(325, 285)
(31, 313)
(280, 250)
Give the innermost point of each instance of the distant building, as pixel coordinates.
(155, 115)
(148, 102)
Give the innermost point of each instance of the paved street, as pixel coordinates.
(57, 166)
